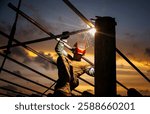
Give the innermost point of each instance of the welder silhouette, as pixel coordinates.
(70, 68)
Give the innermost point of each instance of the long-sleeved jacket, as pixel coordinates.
(69, 70)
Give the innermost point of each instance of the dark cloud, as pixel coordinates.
(17, 72)
(43, 63)
(147, 51)
(49, 27)
(27, 31)
(130, 55)
(37, 16)
(14, 88)
(20, 52)
(5, 27)
(136, 57)
(10, 87)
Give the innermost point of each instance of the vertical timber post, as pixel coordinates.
(105, 57)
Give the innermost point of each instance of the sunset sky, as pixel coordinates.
(132, 38)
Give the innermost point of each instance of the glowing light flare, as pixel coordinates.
(31, 54)
(92, 31)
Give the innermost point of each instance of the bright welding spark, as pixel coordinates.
(92, 31)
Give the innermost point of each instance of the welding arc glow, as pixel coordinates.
(92, 31)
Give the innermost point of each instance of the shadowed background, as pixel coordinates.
(132, 36)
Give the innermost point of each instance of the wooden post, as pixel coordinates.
(105, 57)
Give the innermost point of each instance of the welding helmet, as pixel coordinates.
(80, 48)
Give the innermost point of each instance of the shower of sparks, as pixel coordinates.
(89, 37)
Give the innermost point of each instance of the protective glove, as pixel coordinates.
(65, 35)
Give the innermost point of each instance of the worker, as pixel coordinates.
(70, 68)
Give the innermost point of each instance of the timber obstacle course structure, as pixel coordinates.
(105, 55)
